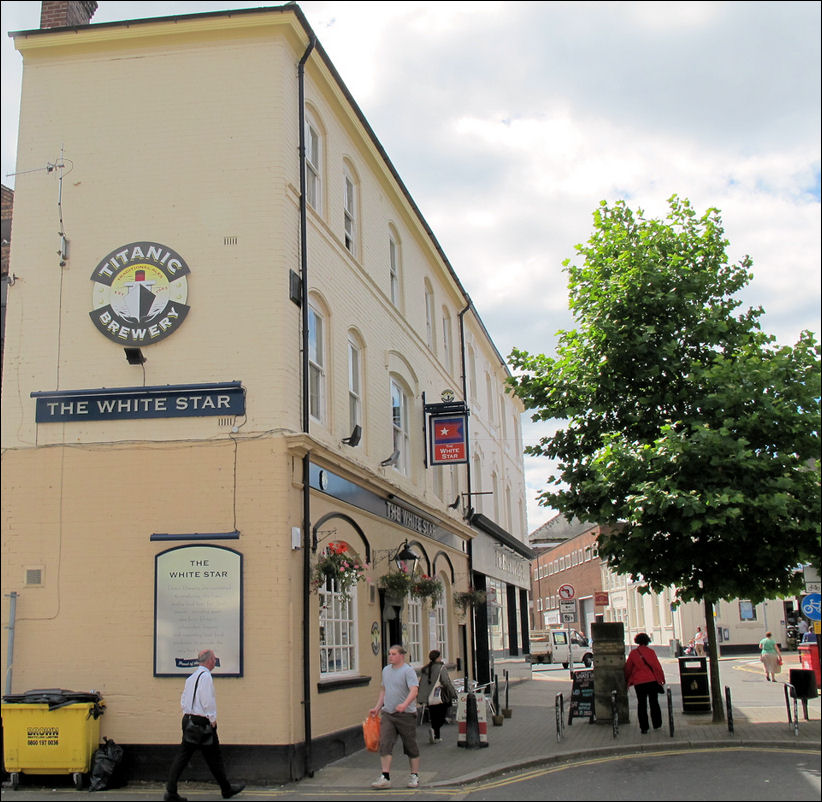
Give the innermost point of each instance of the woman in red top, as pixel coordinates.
(643, 671)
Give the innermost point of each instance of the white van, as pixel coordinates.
(560, 646)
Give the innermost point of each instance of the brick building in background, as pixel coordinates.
(229, 361)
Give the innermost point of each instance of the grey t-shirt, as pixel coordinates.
(398, 683)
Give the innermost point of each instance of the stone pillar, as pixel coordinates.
(609, 664)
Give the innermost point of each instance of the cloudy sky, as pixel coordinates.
(510, 121)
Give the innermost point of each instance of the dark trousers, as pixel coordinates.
(437, 715)
(213, 758)
(648, 691)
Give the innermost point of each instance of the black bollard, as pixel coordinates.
(472, 733)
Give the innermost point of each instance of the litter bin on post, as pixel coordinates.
(51, 732)
(693, 679)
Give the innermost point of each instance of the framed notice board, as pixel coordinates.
(582, 695)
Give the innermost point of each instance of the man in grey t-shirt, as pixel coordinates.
(398, 703)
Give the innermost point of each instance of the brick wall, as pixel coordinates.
(66, 13)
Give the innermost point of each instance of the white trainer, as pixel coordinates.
(381, 782)
(414, 781)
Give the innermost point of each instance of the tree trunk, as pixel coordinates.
(713, 664)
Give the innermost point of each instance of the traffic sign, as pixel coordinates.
(566, 592)
(569, 618)
(810, 606)
(568, 606)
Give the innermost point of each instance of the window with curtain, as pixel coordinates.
(412, 635)
(349, 212)
(354, 382)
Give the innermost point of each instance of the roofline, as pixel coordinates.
(292, 7)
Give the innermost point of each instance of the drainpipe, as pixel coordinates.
(468, 484)
(307, 765)
(10, 649)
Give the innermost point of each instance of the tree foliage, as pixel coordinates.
(683, 420)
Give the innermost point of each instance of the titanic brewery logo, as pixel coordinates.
(139, 294)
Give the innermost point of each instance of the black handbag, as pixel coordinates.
(197, 729)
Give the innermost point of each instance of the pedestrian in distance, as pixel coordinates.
(644, 672)
(771, 657)
(436, 690)
(199, 704)
(700, 641)
(802, 626)
(398, 704)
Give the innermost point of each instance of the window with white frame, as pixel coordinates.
(316, 363)
(412, 636)
(429, 316)
(349, 211)
(338, 630)
(354, 381)
(441, 628)
(399, 422)
(313, 156)
(446, 339)
(394, 269)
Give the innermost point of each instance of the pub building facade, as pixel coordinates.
(239, 374)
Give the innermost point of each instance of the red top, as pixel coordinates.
(639, 670)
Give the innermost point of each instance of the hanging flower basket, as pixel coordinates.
(470, 598)
(426, 587)
(397, 584)
(338, 564)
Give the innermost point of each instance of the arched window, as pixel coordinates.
(313, 163)
(400, 425)
(440, 632)
(413, 629)
(338, 629)
(316, 361)
(447, 346)
(350, 215)
(430, 333)
(355, 373)
(394, 265)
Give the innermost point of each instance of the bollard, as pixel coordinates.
(614, 713)
(473, 733)
(506, 711)
(670, 711)
(729, 710)
(559, 710)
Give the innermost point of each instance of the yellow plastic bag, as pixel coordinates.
(371, 733)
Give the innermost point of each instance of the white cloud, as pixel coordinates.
(510, 121)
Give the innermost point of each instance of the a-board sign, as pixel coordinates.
(582, 695)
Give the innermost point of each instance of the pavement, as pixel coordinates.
(529, 736)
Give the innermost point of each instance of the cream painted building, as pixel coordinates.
(217, 366)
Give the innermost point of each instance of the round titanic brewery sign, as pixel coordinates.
(139, 294)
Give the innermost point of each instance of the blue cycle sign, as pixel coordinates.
(810, 606)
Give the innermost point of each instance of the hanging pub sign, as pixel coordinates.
(448, 436)
(139, 294)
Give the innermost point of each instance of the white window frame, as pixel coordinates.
(412, 635)
(313, 166)
(400, 426)
(350, 212)
(316, 363)
(338, 631)
(394, 269)
(430, 332)
(441, 627)
(354, 381)
(447, 342)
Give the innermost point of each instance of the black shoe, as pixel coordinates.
(233, 791)
(644, 732)
(175, 797)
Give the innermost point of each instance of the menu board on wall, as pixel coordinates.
(198, 605)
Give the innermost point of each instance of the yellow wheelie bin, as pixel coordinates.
(51, 731)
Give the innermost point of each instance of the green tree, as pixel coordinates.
(682, 420)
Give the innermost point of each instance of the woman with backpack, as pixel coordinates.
(437, 692)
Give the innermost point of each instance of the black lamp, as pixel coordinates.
(404, 555)
(354, 439)
(134, 356)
